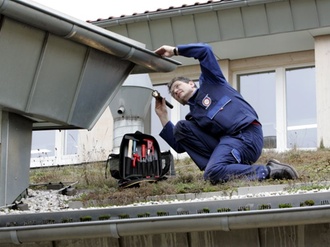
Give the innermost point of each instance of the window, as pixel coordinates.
(286, 109)
(43, 144)
(301, 108)
(54, 147)
(70, 142)
(259, 91)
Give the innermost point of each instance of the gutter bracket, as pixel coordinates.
(129, 54)
(224, 223)
(72, 32)
(114, 230)
(14, 237)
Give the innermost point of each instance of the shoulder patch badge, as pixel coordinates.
(206, 101)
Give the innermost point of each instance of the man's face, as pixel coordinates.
(182, 91)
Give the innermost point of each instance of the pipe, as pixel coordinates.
(180, 11)
(168, 224)
(85, 33)
(121, 110)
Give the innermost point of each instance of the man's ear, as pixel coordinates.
(191, 83)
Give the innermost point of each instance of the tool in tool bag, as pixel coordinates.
(129, 156)
(144, 160)
(157, 96)
(130, 159)
(152, 165)
(136, 156)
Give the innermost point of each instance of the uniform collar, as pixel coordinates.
(191, 101)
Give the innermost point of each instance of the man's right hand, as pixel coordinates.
(161, 111)
(165, 51)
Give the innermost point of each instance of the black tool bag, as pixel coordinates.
(139, 160)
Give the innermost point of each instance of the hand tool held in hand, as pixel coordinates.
(157, 96)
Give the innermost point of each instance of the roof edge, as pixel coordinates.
(179, 11)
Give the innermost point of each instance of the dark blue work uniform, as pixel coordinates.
(221, 133)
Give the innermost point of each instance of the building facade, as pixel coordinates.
(276, 53)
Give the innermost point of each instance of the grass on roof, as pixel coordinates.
(97, 190)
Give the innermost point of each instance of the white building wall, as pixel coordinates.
(96, 144)
(322, 63)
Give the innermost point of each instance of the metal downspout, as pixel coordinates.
(166, 224)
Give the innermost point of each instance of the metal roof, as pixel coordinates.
(52, 66)
(236, 29)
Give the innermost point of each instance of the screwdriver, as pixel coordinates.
(143, 156)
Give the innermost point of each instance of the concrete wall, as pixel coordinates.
(289, 236)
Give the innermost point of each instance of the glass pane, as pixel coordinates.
(43, 143)
(71, 142)
(259, 90)
(301, 108)
(156, 126)
(302, 138)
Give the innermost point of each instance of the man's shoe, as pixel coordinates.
(278, 170)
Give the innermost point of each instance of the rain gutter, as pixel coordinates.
(158, 225)
(180, 11)
(67, 27)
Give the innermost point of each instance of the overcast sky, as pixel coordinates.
(95, 9)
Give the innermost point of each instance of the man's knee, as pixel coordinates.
(216, 173)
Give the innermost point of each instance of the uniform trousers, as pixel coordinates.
(225, 157)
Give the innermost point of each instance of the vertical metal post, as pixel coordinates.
(16, 136)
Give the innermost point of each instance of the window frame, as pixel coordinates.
(280, 96)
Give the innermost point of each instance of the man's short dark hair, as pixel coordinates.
(179, 78)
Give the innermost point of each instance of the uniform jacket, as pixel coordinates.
(216, 107)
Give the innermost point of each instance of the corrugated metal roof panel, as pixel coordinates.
(279, 17)
(207, 27)
(167, 37)
(184, 29)
(304, 13)
(231, 24)
(323, 9)
(255, 20)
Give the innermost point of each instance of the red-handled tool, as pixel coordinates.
(143, 152)
(136, 157)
